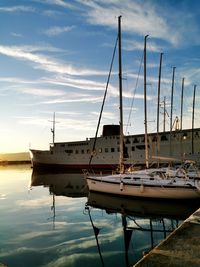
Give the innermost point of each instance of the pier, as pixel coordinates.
(180, 248)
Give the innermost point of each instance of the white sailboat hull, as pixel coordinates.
(145, 191)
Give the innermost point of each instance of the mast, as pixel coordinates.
(53, 129)
(171, 115)
(164, 114)
(159, 80)
(181, 123)
(121, 160)
(145, 105)
(193, 119)
(158, 105)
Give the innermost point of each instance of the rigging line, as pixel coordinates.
(136, 85)
(104, 98)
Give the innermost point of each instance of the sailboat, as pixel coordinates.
(149, 183)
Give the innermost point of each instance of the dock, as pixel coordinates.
(180, 248)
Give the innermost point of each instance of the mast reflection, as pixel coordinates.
(145, 215)
(71, 185)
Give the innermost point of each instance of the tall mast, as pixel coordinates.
(181, 123)
(164, 114)
(158, 105)
(53, 129)
(171, 115)
(193, 119)
(145, 104)
(121, 162)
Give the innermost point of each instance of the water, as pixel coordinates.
(51, 220)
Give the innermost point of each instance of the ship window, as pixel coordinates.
(112, 149)
(128, 141)
(164, 137)
(154, 139)
(82, 151)
(140, 147)
(69, 151)
(106, 149)
(133, 148)
(76, 151)
(135, 140)
(100, 150)
(88, 151)
(62, 145)
(118, 149)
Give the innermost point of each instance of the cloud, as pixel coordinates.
(46, 63)
(84, 99)
(54, 31)
(144, 17)
(42, 92)
(52, 13)
(131, 45)
(14, 9)
(61, 3)
(138, 17)
(16, 34)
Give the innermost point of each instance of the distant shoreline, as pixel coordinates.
(14, 158)
(14, 162)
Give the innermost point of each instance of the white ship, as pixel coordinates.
(104, 150)
(184, 144)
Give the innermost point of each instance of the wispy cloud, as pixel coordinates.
(46, 63)
(65, 82)
(143, 18)
(16, 34)
(77, 99)
(52, 13)
(138, 17)
(42, 92)
(54, 31)
(131, 45)
(61, 3)
(14, 9)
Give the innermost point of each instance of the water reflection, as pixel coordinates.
(146, 215)
(122, 228)
(61, 184)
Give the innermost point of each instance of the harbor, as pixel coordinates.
(100, 133)
(46, 214)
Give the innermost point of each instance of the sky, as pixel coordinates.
(55, 56)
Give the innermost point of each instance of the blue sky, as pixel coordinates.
(55, 56)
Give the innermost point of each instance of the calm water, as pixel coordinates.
(50, 220)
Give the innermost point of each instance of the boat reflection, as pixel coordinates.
(61, 184)
(71, 185)
(147, 215)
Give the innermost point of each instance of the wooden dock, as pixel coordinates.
(180, 248)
